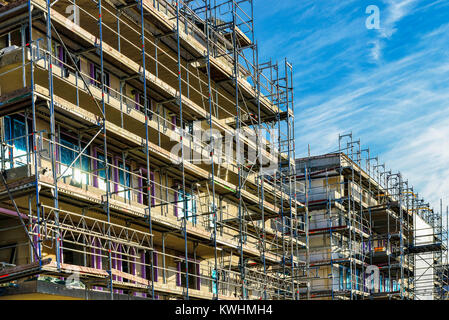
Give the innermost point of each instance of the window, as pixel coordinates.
(16, 38)
(58, 53)
(98, 78)
(173, 122)
(287, 225)
(214, 282)
(124, 181)
(95, 76)
(8, 253)
(72, 254)
(142, 196)
(75, 66)
(149, 272)
(101, 172)
(193, 274)
(381, 287)
(186, 204)
(79, 171)
(12, 38)
(348, 279)
(211, 215)
(125, 266)
(136, 97)
(4, 41)
(15, 134)
(152, 189)
(340, 273)
(140, 187)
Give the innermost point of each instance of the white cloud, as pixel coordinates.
(402, 107)
(347, 79)
(424, 158)
(395, 11)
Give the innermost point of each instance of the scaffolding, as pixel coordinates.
(114, 166)
(370, 235)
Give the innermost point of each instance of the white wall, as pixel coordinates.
(423, 262)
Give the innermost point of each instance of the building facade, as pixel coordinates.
(370, 235)
(146, 154)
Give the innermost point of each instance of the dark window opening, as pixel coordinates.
(192, 274)
(72, 255)
(16, 38)
(8, 253)
(4, 41)
(12, 38)
(148, 272)
(98, 78)
(125, 265)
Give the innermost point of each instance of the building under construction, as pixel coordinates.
(146, 154)
(370, 234)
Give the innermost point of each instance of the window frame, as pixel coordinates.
(75, 148)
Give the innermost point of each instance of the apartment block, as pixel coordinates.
(371, 236)
(146, 154)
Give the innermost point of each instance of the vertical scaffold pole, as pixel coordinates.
(307, 190)
(147, 152)
(106, 162)
(279, 174)
(212, 152)
(290, 153)
(261, 171)
(181, 130)
(53, 136)
(401, 238)
(35, 140)
(239, 155)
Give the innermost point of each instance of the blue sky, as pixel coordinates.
(390, 86)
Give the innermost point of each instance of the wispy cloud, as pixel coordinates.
(423, 158)
(395, 11)
(388, 86)
(390, 15)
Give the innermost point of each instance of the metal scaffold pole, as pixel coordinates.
(401, 231)
(289, 176)
(147, 152)
(53, 146)
(34, 132)
(307, 226)
(238, 147)
(446, 265)
(213, 208)
(105, 147)
(261, 175)
(181, 131)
